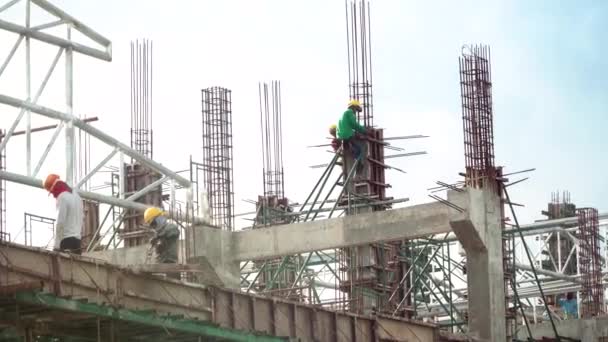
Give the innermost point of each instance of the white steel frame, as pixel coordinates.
(67, 118)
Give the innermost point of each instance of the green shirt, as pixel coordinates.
(348, 125)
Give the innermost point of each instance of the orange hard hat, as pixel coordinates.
(50, 181)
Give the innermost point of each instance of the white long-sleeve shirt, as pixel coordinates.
(69, 217)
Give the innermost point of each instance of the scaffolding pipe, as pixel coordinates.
(99, 134)
(37, 183)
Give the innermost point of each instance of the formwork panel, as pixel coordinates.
(304, 322)
(242, 309)
(284, 318)
(344, 328)
(262, 310)
(222, 308)
(324, 326)
(395, 330)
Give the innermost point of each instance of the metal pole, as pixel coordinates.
(276, 274)
(119, 202)
(328, 169)
(11, 54)
(578, 271)
(50, 39)
(11, 130)
(70, 154)
(151, 187)
(28, 89)
(426, 245)
(11, 101)
(97, 168)
(8, 5)
(48, 148)
(172, 199)
(99, 228)
(521, 308)
(416, 280)
(559, 251)
(300, 272)
(525, 246)
(256, 276)
(350, 174)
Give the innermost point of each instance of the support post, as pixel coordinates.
(70, 154)
(480, 233)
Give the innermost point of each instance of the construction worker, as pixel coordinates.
(569, 306)
(335, 143)
(68, 225)
(347, 129)
(166, 235)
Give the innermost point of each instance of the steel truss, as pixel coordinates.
(68, 121)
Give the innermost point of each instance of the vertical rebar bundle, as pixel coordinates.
(137, 175)
(476, 92)
(272, 138)
(217, 154)
(592, 294)
(141, 97)
(358, 42)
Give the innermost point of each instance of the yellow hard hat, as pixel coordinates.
(354, 103)
(333, 127)
(151, 213)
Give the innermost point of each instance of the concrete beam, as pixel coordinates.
(397, 224)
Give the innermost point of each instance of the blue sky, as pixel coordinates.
(548, 69)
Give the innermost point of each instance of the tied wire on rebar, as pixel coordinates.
(358, 42)
(141, 97)
(272, 138)
(477, 116)
(592, 293)
(218, 154)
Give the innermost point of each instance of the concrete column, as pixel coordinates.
(480, 233)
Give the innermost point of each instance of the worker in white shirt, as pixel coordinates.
(69, 222)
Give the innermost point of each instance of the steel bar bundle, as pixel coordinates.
(217, 155)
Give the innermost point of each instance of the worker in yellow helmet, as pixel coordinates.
(165, 237)
(348, 126)
(335, 143)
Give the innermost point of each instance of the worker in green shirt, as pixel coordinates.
(347, 129)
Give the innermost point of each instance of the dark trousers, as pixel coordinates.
(355, 147)
(70, 244)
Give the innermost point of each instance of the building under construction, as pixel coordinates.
(340, 264)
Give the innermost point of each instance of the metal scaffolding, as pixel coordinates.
(217, 155)
(29, 220)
